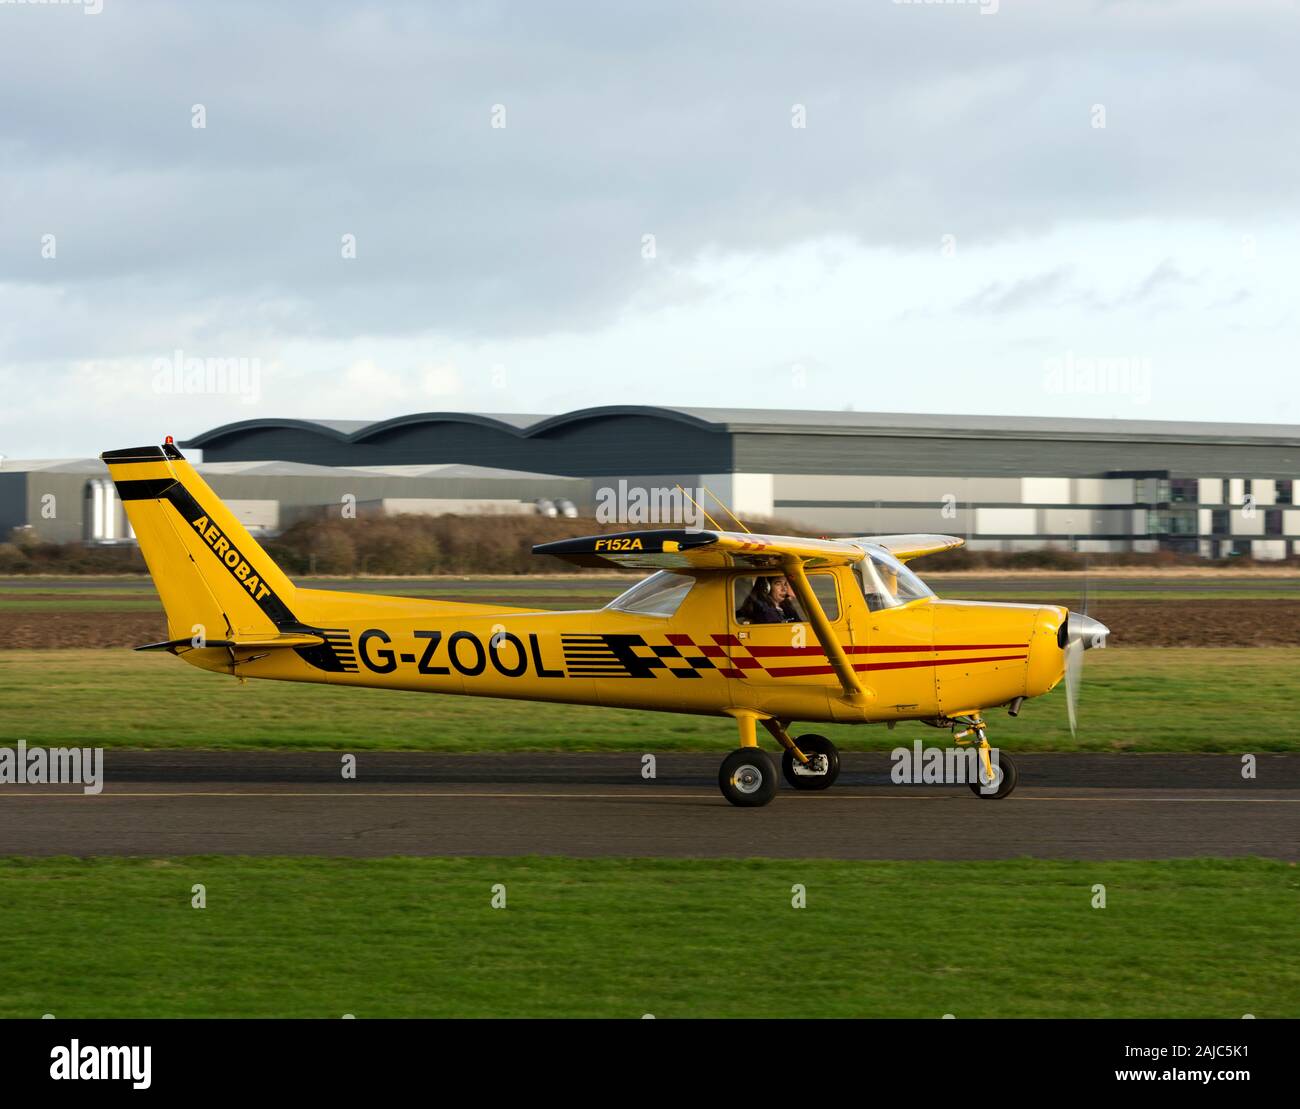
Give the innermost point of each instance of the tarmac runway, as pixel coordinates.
(157, 803)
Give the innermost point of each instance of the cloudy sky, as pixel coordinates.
(1051, 208)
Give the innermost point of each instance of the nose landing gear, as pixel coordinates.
(996, 773)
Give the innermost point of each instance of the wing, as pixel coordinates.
(905, 547)
(699, 550)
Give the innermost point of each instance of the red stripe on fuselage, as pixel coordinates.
(808, 671)
(873, 648)
(891, 648)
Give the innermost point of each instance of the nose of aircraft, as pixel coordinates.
(1085, 631)
(1081, 632)
(1050, 662)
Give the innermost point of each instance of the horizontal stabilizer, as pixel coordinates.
(258, 643)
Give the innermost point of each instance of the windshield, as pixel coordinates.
(886, 582)
(660, 594)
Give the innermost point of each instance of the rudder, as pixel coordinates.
(210, 573)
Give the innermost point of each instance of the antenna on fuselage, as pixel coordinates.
(700, 507)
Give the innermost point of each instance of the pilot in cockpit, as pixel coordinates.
(771, 601)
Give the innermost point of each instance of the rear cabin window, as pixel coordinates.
(660, 594)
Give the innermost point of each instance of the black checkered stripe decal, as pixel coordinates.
(630, 656)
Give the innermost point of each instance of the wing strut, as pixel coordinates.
(853, 690)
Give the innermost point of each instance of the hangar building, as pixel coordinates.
(1003, 482)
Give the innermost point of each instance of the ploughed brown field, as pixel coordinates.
(1246, 622)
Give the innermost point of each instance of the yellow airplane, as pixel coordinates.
(765, 629)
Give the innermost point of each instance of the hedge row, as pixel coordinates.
(487, 545)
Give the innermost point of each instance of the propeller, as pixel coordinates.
(1081, 633)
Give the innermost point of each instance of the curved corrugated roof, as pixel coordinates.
(523, 426)
(791, 421)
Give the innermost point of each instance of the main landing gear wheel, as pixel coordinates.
(826, 763)
(1005, 777)
(748, 777)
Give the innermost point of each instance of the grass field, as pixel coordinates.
(621, 938)
(1137, 699)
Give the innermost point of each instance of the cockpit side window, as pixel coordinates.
(766, 599)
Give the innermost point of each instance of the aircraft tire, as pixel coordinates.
(1010, 776)
(812, 745)
(747, 777)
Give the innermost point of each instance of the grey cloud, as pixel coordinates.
(623, 119)
(1165, 276)
(999, 296)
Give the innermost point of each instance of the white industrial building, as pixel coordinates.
(1004, 483)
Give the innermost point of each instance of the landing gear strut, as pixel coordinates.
(810, 763)
(822, 768)
(996, 773)
(748, 775)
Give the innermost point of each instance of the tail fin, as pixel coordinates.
(210, 573)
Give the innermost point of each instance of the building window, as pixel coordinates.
(1272, 521)
(1184, 490)
(1182, 522)
(1219, 521)
(99, 511)
(1285, 491)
